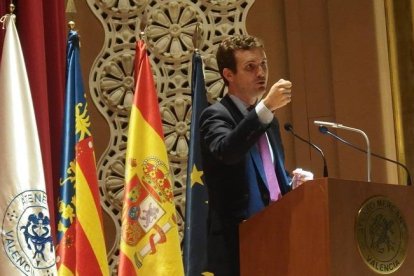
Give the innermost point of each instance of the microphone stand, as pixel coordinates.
(324, 130)
(340, 126)
(289, 127)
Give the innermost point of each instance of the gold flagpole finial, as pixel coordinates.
(12, 7)
(71, 25)
(197, 37)
(143, 25)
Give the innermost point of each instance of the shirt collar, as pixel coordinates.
(242, 106)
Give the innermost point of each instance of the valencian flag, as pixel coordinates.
(27, 244)
(81, 246)
(150, 243)
(196, 192)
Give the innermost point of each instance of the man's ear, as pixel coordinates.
(228, 74)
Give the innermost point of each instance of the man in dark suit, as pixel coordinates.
(238, 184)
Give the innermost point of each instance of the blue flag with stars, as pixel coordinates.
(195, 233)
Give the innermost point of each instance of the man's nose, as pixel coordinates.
(261, 71)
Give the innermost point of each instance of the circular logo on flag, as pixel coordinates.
(382, 235)
(26, 234)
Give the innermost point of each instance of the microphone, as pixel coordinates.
(289, 127)
(340, 126)
(324, 130)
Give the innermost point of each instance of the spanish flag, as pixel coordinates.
(81, 245)
(150, 243)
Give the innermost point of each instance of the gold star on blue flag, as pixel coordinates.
(196, 176)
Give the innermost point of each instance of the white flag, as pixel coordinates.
(25, 225)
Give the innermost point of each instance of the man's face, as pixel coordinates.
(250, 80)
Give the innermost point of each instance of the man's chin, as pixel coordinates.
(261, 90)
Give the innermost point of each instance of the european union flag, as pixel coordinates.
(196, 192)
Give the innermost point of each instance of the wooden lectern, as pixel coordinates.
(313, 231)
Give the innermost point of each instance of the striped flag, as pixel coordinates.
(150, 243)
(196, 192)
(81, 246)
(25, 224)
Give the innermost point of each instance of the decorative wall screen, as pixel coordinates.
(168, 34)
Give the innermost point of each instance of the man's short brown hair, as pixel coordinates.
(225, 53)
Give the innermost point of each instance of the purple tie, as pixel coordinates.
(269, 169)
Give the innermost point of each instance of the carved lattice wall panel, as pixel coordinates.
(168, 35)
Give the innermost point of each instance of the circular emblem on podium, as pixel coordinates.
(382, 235)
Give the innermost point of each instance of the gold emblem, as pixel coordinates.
(381, 234)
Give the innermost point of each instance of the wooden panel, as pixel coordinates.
(289, 237)
(311, 230)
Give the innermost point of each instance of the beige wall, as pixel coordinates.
(335, 53)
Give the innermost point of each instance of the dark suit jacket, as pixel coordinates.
(235, 179)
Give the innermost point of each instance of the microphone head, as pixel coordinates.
(288, 127)
(323, 129)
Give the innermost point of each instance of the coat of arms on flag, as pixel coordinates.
(25, 223)
(144, 205)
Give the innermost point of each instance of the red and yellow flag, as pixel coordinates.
(81, 245)
(150, 243)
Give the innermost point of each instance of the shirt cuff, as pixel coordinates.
(264, 114)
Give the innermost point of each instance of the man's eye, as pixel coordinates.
(250, 67)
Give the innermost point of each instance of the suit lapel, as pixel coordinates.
(254, 151)
(257, 160)
(232, 108)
